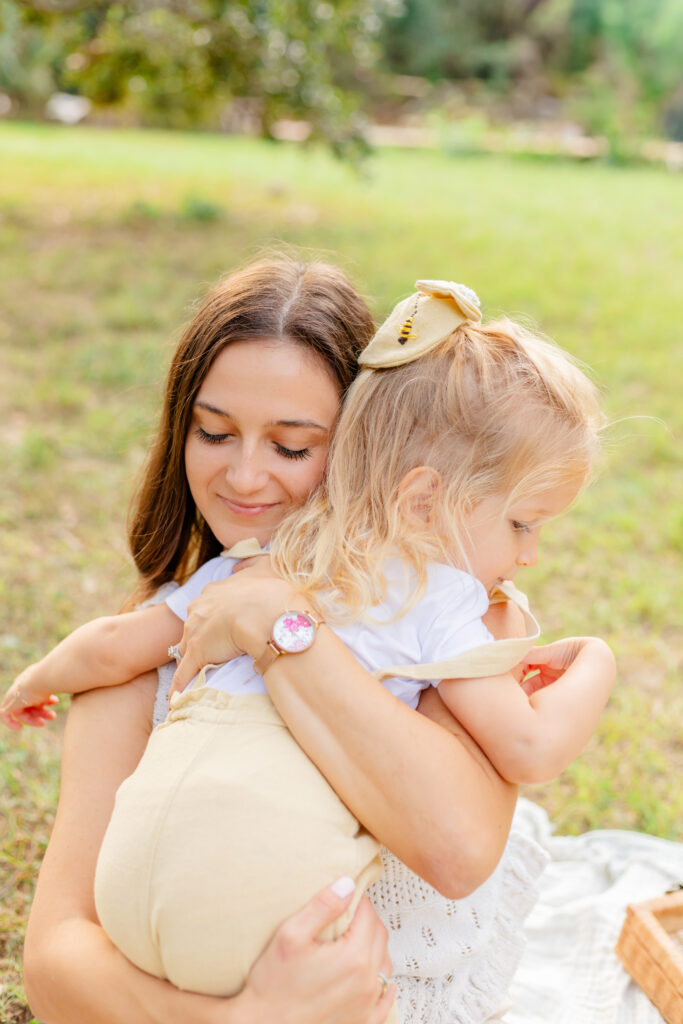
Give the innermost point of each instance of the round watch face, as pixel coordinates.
(293, 632)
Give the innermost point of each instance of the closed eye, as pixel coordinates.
(204, 435)
(291, 453)
(520, 527)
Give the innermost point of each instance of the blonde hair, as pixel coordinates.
(494, 410)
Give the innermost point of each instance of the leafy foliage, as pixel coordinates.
(182, 62)
(622, 63)
(247, 64)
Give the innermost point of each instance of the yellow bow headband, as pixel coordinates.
(420, 323)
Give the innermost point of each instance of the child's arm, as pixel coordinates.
(106, 652)
(533, 739)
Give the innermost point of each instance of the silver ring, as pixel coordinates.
(384, 982)
(174, 652)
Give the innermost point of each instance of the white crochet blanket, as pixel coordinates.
(569, 973)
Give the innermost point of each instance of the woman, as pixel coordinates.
(449, 823)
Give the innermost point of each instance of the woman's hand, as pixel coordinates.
(300, 980)
(232, 617)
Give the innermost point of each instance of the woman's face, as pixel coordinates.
(259, 436)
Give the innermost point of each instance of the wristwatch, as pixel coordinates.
(293, 632)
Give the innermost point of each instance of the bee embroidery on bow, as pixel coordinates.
(406, 332)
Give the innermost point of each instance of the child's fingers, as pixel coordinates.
(548, 656)
(41, 708)
(35, 715)
(535, 681)
(44, 714)
(539, 653)
(42, 705)
(266, 568)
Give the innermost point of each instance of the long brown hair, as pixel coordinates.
(311, 304)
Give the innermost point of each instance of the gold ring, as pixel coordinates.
(384, 982)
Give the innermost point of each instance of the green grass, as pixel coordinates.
(105, 241)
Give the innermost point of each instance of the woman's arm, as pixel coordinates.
(73, 973)
(427, 792)
(533, 739)
(105, 652)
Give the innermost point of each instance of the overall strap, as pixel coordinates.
(198, 683)
(244, 549)
(200, 679)
(489, 659)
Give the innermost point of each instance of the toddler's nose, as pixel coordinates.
(529, 556)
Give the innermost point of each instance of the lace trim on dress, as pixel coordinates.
(454, 959)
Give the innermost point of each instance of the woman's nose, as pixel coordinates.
(245, 473)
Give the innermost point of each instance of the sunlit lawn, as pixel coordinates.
(105, 240)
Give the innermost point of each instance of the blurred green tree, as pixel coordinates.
(183, 63)
(470, 39)
(615, 65)
(620, 62)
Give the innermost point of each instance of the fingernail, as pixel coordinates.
(343, 887)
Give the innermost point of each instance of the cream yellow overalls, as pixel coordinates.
(226, 828)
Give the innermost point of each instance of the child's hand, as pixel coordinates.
(548, 662)
(260, 565)
(25, 703)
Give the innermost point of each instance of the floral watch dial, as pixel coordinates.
(294, 632)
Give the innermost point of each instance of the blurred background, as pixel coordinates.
(584, 77)
(530, 148)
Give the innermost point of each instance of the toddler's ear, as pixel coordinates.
(417, 494)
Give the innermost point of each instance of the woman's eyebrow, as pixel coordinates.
(307, 424)
(211, 408)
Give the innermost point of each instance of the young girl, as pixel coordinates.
(454, 447)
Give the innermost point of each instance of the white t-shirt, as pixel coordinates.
(446, 621)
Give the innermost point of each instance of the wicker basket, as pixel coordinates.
(651, 949)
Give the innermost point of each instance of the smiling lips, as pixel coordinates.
(250, 511)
